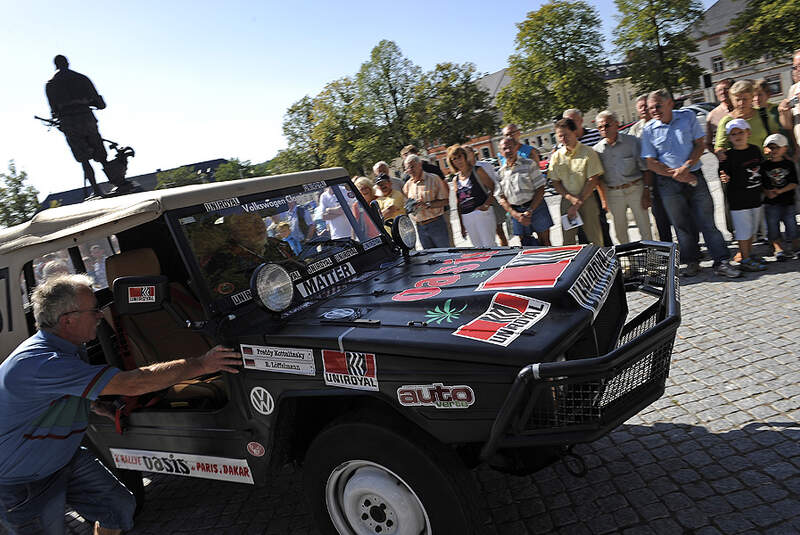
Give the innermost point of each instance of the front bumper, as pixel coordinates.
(569, 402)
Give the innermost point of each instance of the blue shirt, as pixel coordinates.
(673, 142)
(524, 151)
(45, 396)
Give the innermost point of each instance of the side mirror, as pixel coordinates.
(136, 295)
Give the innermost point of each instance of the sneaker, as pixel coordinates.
(691, 269)
(783, 256)
(725, 269)
(751, 264)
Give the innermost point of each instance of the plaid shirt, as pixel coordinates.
(429, 188)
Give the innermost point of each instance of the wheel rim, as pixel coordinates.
(365, 498)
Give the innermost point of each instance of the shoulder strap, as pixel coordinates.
(474, 176)
(762, 112)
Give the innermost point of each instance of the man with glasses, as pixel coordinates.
(392, 202)
(524, 150)
(47, 389)
(623, 177)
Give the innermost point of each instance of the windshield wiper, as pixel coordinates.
(343, 242)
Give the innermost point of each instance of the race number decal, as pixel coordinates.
(183, 464)
(508, 316)
(532, 268)
(350, 370)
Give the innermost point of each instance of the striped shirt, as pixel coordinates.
(590, 137)
(430, 188)
(519, 183)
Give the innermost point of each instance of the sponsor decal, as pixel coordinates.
(221, 204)
(339, 314)
(371, 244)
(432, 286)
(479, 274)
(225, 288)
(532, 268)
(141, 294)
(262, 400)
(445, 313)
(319, 266)
(326, 279)
(279, 359)
(344, 255)
(508, 316)
(350, 370)
(242, 297)
(593, 285)
(266, 204)
(255, 449)
(313, 186)
(294, 275)
(183, 464)
(436, 395)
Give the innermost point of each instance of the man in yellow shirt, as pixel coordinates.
(574, 170)
(393, 202)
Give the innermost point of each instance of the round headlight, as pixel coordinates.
(403, 232)
(273, 286)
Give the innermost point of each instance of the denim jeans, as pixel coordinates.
(777, 213)
(433, 234)
(84, 483)
(689, 208)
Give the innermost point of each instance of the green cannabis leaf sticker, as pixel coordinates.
(478, 274)
(438, 315)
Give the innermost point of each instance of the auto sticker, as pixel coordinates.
(446, 312)
(222, 204)
(242, 297)
(183, 464)
(371, 244)
(593, 285)
(532, 268)
(350, 370)
(141, 294)
(292, 360)
(508, 316)
(262, 400)
(326, 279)
(436, 395)
(256, 449)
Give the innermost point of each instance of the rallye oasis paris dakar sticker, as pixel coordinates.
(532, 268)
(508, 316)
(183, 464)
(142, 294)
(593, 285)
(350, 370)
(279, 359)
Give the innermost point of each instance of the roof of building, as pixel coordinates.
(494, 82)
(717, 18)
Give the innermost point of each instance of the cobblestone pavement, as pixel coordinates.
(718, 453)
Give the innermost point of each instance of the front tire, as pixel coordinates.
(365, 479)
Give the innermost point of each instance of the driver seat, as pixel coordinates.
(157, 336)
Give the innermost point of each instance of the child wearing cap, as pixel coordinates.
(780, 181)
(741, 169)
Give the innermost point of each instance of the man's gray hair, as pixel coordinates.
(643, 96)
(606, 113)
(378, 166)
(56, 296)
(571, 112)
(411, 158)
(661, 94)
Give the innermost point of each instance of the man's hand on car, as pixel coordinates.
(220, 358)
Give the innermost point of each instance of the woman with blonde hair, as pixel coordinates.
(474, 193)
(367, 189)
(761, 125)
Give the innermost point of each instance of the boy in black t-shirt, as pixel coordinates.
(780, 181)
(742, 170)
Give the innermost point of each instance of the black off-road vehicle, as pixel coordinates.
(387, 373)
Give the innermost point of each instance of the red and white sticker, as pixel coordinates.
(508, 316)
(436, 395)
(255, 449)
(141, 294)
(532, 268)
(183, 464)
(350, 370)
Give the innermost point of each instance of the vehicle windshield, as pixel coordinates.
(231, 237)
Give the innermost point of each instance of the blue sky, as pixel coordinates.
(191, 81)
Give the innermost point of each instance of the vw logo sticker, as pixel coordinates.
(339, 314)
(262, 400)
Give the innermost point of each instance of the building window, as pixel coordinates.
(743, 63)
(539, 140)
(774, 82)
(485, 153)
(552, 138)
(713, 41)
(717, 64)
(526, 141)
(619, 98)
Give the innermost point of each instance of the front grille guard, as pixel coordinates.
(561, 403)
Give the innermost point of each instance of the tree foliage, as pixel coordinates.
(653, 36)
(286, 161)
(299, 124)
(557, 63)
(234, 169)
(182, 176)
(450, 107)
(764, 27)
(18, 201)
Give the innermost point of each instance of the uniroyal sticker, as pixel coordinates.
(256, 449)
(221, 204)
(593, 285)
(279, 359)
(324, 280)
(532, 268)
(141, 294)
(183, 464)
(319, 266)
(344, 255)
(313, 186)
(436, 395)
(432, 286)
(371, 244)
(242, 297)
(350, 370)
(508, 316)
